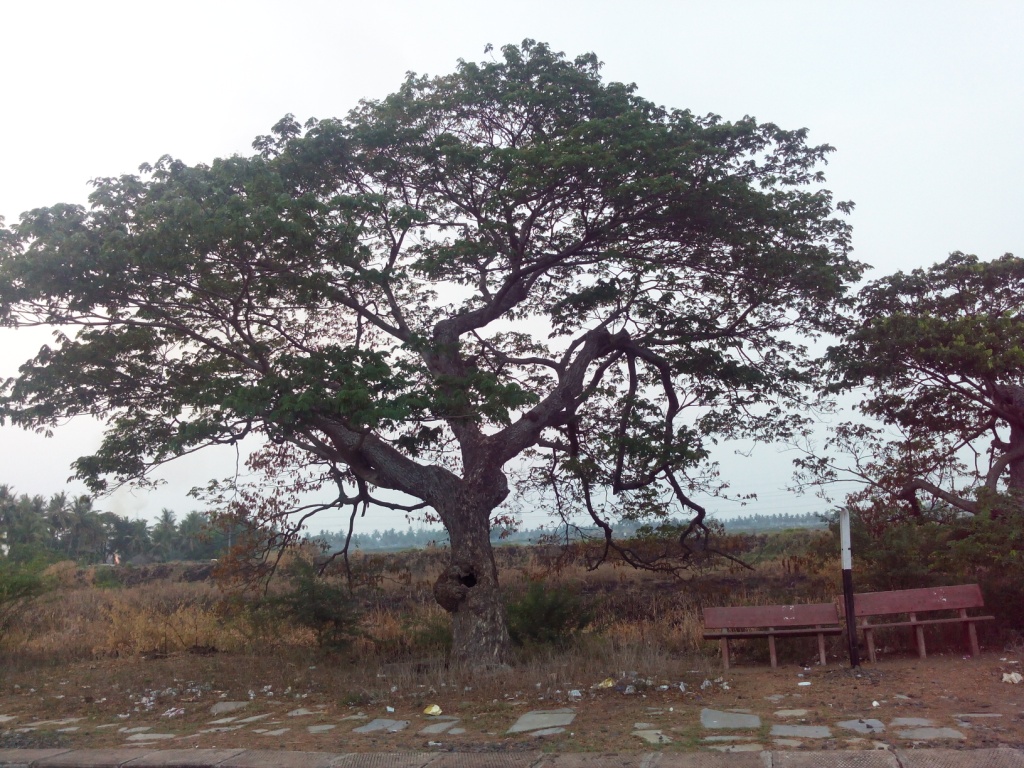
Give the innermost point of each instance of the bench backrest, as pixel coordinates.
(918, 600)
(778, 616)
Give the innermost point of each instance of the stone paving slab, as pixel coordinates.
(226, 707)
(439, 727)
(184, 758)
(323, 728)
(93, 758)
(543, 719)
(930, 734)
(863, 725)
(838, 759)
(713, 718)
(802, 731)
(269, 758)
(960, 758)
(382, 724)
(546, 732)
(652, 736)
(912, 722)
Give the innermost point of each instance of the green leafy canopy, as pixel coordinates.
(940, 355)
(513, 257)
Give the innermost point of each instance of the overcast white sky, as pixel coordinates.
(923, 100)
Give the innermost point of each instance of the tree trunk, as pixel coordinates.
(1015, 482)
(468, 588)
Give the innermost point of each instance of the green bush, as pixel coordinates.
(432, 636)
(105, 577)
(944, 547)
(320, 604)
(20, 583)
(546, 615)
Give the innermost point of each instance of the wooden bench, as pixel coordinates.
(771, 621)
(911, 602)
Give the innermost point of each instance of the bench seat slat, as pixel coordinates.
(918, 600)
(952, 620)
(746, 616)
(741, 634)
(771, 621)
(911, 603)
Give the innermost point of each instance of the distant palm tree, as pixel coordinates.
(88, 533)
(59, 518)
(165, 534)
(192, 533)
(27, 525)
(128, 537)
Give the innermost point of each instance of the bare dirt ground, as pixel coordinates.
(174, 696)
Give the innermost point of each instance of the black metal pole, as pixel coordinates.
(851, 618)
(848, 604)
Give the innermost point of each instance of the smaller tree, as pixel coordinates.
(313, 601)
(940, 353)
(20, 584)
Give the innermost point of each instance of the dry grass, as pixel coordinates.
(641, 620)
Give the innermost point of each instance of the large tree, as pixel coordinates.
(938, 356)
(515, 268)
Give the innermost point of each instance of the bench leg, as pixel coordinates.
(972, 634)
(869, 636)
(919, 634)
(771, 650)
(821, 649)
(724, 643)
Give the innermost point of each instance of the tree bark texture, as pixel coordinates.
(1015, 481)
(468, 589)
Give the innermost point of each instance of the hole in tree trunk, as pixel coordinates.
(469, 580)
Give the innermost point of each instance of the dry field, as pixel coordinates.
(132, 646)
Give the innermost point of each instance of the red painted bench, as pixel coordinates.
(910, 603)
(771, 621)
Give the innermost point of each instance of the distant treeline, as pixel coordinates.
(69, 527)
(64, 526)
(751, 523)
(419, 538)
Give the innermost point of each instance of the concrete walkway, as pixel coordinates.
(256, 758)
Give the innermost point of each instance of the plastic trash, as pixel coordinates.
(433, 709)
(1014, 678)
(606, 683)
